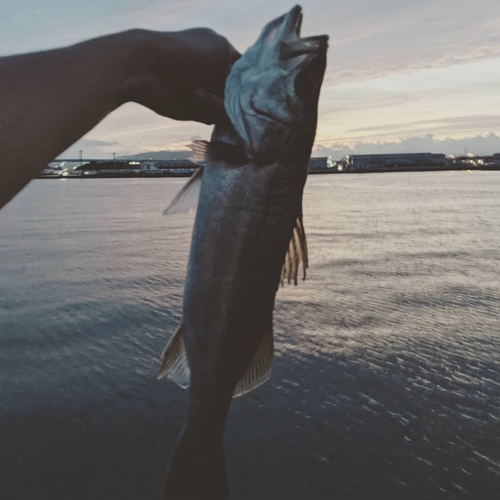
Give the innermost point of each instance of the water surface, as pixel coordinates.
(386, 378)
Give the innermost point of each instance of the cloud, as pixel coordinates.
(382, 82)
(97, 143)
(456, 124)
(139, 129)
(411, 36)
(367, 38)
(91, 148)
(478, 144)
(54, 23)
(450, 102)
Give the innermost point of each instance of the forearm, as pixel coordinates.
(48, 100)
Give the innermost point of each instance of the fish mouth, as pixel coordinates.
(303, 46)
(296, 54)
(292, 45)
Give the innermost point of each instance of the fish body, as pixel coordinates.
(247, 237)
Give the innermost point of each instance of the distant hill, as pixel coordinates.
(159, 155)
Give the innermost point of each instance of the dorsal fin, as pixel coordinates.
(232, 154)
(297, 253)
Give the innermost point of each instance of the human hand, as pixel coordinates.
(183, 73)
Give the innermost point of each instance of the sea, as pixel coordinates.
(386, 378)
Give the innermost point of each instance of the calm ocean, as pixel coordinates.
(386, 381)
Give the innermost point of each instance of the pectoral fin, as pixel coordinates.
(259, 370)
(173, 361)
(201, 150)
(220, 150)
(187, 197)
(297, 253)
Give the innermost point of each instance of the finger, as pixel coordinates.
(216, 82)
(200, 105)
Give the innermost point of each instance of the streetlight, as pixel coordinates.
(80, 151)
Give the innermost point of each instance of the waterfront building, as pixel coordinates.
(50, 172)
(321, 163)
(395, 161)
(173, 164)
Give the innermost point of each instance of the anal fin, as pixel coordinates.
(173, 361)
(259, 369)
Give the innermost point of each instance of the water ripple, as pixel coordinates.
(385, 382)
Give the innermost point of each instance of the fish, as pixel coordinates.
(248, 238)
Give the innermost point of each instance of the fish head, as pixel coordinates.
(274, 86)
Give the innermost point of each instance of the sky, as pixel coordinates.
(402, 75)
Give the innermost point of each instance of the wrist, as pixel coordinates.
(145, 55)
(135, 64)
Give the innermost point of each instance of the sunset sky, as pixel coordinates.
(403, 75)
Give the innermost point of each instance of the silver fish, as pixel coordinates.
(248, 237)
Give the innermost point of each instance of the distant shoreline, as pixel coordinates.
(146, 174)
(407, 169)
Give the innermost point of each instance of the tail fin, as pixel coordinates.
(198, 470)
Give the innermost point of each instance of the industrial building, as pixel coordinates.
(403, 161)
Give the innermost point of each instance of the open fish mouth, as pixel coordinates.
(303, 46)
(286, 32)
(273, 85)
(292, 44)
